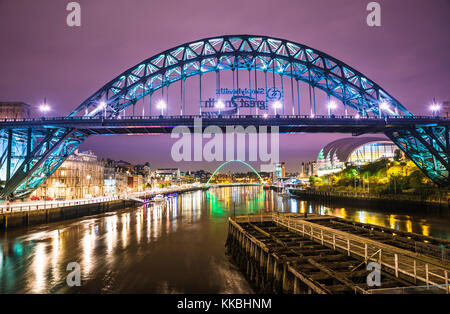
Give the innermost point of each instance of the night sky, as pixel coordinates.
(40, 56)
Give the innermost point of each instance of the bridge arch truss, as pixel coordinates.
(30, 153)
(235, 161)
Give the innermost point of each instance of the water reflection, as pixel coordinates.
(176, 245)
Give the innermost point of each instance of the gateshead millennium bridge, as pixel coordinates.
(269, 77)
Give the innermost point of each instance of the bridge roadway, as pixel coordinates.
(286, 123)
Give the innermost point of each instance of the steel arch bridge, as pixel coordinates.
(238, 161)
(31, 150)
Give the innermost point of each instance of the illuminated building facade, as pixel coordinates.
(168, 175)
(80, 176)
(355, 151)
(308, 169)
(14, 110)
(279, 171)
(116, 178)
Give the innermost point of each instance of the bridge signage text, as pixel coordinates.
(259, 98)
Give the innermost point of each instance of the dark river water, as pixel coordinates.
(174, 246)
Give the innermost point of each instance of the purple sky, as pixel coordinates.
(40, 56)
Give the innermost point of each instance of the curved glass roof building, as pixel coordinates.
(354, 150)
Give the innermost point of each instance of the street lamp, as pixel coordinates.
(265, 116)
(276, 105)
(44, 108)
(161, 105)
(383, 106)
(88, 177)
(220, 105)
(435, 108)
(103, 106)
(331, 105)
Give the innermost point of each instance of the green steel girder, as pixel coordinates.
(30, 153)
(428, 147)
(45, 150)
(232, 52)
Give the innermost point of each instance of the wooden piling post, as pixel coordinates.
(295, 285)
(396, 264)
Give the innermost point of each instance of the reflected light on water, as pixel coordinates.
(88, 247)
(176, 243)
(56, 250)
(39, 266)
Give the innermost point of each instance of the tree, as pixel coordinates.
(314, 180)
(398, 155)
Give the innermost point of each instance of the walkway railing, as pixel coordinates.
(19, 207)
(251, 116)
(42, 205)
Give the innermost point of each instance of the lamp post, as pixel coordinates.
(276, 105)
(44, 108)
(103, 106)
(383, 106)
(88, 177)
(220, 105)
(331, 106)
(435, 108)
(161, 105)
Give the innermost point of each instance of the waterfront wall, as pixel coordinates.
(367, 200)
(10, 220)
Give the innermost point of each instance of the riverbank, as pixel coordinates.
(10, 220)
(367, 200)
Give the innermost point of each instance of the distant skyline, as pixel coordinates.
(42, 57)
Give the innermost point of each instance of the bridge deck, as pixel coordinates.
(165, 124)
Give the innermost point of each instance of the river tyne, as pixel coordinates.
(173, 246)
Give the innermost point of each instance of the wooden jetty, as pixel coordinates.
(288, 253)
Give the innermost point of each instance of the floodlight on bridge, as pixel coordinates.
(384, 105)
(161, 105)
(220, 105)
(277, 105)
(44, 108)
(331, 106)
(435, 108)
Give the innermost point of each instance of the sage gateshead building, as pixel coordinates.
(357, 151)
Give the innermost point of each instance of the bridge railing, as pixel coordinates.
(242, 116)
(42, 205)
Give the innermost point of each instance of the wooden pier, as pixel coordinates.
(288, 253)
